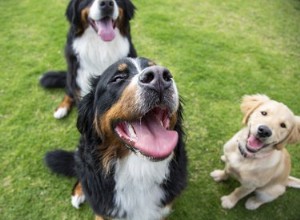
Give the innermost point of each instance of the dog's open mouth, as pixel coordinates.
(104, 27)
(254, 144)
(149, 135)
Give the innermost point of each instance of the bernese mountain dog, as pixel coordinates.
(99, 35)
(131, 161)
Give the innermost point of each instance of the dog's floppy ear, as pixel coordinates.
(71, 14)
(250, 103)
(129, 9)
(86, 114)
(294, 137)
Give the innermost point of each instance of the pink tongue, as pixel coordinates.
(105, 29)
(153, 139)
(254, 143)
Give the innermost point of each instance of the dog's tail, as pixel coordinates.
(54, 79)
(293, 182)
(61, 162)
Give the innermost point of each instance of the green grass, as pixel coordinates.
(217, 50)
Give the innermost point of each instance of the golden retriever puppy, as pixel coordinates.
(256, 155)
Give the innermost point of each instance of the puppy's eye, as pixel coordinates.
(119, 77)
(264, 113)
(283, 125)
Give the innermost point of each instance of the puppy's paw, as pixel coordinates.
(218, 175)
(252, 203)
(227, 202)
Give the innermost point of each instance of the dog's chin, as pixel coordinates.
(138, 153)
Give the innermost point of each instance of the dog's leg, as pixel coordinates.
(229, 201)
(64, 107)
(264, 195)
(219, 175)
(77, 195)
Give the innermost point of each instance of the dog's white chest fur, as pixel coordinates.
(138, 192)
(95, 55)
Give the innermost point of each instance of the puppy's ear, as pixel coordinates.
(294, 137)
(250, 103)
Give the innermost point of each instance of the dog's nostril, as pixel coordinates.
(147, 77)
(264, 131)
(167, 75)
(106, 3)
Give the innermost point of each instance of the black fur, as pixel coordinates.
(98, 183)
(67, 79)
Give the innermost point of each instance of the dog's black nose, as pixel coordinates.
(106, 4)
(264, 131)
(156, 78)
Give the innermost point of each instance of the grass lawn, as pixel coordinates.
(217, 51)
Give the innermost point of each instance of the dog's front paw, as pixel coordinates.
(77, 200)
(218, 175)
(227, 202)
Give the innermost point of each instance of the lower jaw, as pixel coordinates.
(148, 157)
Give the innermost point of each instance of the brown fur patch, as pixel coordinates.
(77, 189)
(120, 22)
(98, 217)
(111, 146)
(84, 17)
(67, 103)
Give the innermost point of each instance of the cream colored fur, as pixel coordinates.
(265, 171)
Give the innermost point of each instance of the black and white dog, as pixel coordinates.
(99, 35)
(131, 161)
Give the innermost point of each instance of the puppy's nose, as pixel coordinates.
(106, 4)
(264, 131)
(156, 78)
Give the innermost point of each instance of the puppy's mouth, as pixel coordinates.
(105, 28)
(254, 143)
(149, 135)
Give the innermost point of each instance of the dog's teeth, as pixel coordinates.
(131, 132)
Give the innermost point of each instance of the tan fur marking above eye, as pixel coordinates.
(122, 67)
(151, 63)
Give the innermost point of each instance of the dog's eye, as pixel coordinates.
(283, 125)
(264, 113)
(119, 77)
